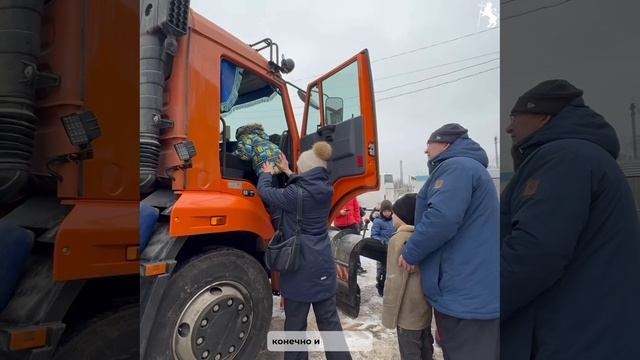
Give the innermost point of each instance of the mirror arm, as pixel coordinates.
(295, 86)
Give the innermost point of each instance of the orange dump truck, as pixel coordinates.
(205, 293)
(69, 195)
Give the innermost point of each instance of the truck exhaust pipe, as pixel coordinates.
(163, 21)
(20, 24)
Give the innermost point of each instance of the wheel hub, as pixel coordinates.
(215, 323)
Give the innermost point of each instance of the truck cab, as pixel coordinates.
(205, 291)
(69, 196)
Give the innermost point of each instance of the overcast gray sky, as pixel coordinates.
(588, 42)
(321, 35)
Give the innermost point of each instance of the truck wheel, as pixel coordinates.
(217, 306)
(110, 336)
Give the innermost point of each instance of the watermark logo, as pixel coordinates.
(489, 11)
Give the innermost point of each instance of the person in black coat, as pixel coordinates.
(314, 283)
(570, 251)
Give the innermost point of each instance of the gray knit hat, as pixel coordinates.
(447, 133)
(548, 98)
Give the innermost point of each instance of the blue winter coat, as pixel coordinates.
(382, 230)
(315, 280)
(570, 252)
(456, 239)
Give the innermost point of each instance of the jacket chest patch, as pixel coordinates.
(531, 187)
(439, 184)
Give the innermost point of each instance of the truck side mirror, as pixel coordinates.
(303, 96)
(333, 107)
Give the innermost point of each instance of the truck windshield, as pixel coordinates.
(248, 99)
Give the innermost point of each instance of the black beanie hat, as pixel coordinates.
(548, 98)
(385, 205)
(447, 134)
(405, 208)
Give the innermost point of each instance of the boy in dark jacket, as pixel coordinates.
(382, 230)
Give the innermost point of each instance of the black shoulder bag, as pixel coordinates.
(282, 254)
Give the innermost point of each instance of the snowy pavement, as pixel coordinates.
(385, 343)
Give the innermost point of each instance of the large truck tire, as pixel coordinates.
(217, 306)
(110, 336)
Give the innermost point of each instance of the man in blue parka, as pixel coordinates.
(570, 250)
(456, 245)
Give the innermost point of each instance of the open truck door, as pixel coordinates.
(340, 109)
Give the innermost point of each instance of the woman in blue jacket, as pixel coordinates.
(314, 283)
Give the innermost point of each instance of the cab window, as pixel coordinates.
(253, 121)
(341, 95)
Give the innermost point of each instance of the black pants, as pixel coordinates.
(326, 317)
(463, 339)
(381, 275)
(415, 344)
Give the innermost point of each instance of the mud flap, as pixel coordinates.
(346, 249)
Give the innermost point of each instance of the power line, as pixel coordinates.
(535, 10)
(506, 2)
(436, 76)
(437, 85)
(434, 45)
(435, 66)
(300, 107)
(414, 50)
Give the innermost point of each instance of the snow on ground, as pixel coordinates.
(385, 343)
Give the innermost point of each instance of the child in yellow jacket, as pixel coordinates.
(404, 304)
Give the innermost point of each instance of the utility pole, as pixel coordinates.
(634, 138)
(401, 175)
(495, 141)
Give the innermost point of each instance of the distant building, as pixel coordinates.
(387, 179)
(386, 191)
(495, 176)
(631, 170)
(389, 187)
(626, 150)
(417, 182)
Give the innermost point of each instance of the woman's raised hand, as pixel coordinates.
(283, 164)
(267, 167)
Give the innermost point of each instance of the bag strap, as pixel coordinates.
(280, 219)
(299, 198)
(299, 211)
